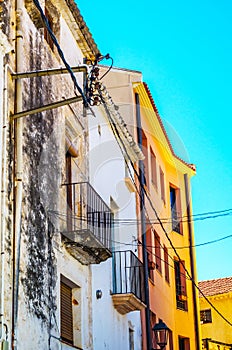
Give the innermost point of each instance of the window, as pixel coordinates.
(152, 323)
(70, 312)
(153, 169)
(184, 343)
(175, 212)
(158, 253)
(150, 255)
(166, 265)
(162, 187)
(131, 339)
(170, 340)
(145, 162)
(46, 34)
(66, 313)
(180, 279)
(206, 316)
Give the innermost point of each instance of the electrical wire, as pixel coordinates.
(60, 52)
(166, 234)
(189, 277)
(63, 217)
(127, 221)
(112, 62)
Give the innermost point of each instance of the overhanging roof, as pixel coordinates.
(148, 103)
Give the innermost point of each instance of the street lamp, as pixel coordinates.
(161, 331)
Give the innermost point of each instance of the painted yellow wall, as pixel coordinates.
(122, 86)
(163, 294)
(218, 330)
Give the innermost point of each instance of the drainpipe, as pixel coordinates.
(18, 171)
(3, 129)
(192, 266)
(143, 225)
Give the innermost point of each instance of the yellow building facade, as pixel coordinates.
(172, 294)
(216, 331)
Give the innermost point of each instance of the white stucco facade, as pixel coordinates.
(108, 172)
(55, 148)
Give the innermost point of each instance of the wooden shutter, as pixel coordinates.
(187, 344)
(158, 253)
(166, 265)
(66, 313)
(183, 278)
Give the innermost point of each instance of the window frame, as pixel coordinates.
(66, 313)
(152, 324)
(175, 207)
(150, 255)
(145, 161)
(180, 284)
(207, 316)
(162, 185)
(75, 314)
(154, 178)
(158, 258)
(166, 264)
(131, 339)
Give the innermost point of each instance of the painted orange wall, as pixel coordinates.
(122, 85)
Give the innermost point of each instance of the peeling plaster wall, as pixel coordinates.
(5, 10)
(43, 255)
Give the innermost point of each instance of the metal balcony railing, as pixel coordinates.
(181, 297)
(128, 274)
(87, 213)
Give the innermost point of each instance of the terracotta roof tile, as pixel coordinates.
(216, 286)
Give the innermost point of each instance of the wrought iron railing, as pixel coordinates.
(86, 211)
(181, 297)
(128, 274)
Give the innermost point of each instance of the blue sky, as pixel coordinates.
(184, 50)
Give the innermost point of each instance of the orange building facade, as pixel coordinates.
(171, 272)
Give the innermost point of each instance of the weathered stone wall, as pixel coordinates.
(44, 151)
(5, 16)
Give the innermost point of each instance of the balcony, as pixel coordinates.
(128, 287)
(87, 228)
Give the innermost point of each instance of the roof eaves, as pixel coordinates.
(84, 30)
(191, 166)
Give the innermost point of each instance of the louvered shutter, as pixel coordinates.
(66, 313)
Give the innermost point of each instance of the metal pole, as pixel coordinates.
(45, 72)
(195, 309)
(18, 168)
(143, 225)
(46, 107)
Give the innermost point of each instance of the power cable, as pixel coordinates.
(128, 221)
(112, 62)
(79, 218)
(61, 54)
(166, 234)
